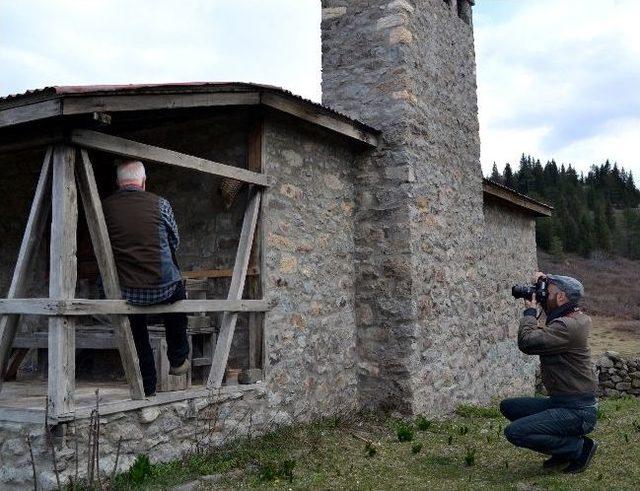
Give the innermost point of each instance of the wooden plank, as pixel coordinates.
(32, 236)
(30, 112)
(315, 115)
(217, 273)
(132, 149)
(16, 360)
(228, 324)
(255, 163)
(62, 280)
(81, 306)
(144, 102)
(107, 266)
(515, 199)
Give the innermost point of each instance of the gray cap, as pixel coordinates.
(572, 287)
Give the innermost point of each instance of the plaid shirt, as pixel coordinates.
(151, 296)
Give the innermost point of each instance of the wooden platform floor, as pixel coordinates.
(24, 401)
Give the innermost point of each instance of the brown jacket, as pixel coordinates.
(565, 357)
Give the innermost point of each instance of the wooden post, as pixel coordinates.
(229, 319)
(62, 280)
(255, 164)
(32, 235)
(106, 263)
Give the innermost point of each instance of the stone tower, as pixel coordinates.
(407, 67)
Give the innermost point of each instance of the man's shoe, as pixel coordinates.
(180, 369)
(589, 448)
(555, 461)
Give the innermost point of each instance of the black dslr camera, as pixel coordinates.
(528, 291)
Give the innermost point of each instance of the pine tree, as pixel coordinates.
(495, 174)
(507, 176)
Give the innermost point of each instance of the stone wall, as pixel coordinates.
(310, 343)
(508, 258)
(408, 68)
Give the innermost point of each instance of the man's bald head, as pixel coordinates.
(131, 173)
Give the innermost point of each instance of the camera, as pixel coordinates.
(528, 291)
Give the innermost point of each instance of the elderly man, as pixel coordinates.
(557, 425)
(144, 237)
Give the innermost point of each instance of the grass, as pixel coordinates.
(465, 451)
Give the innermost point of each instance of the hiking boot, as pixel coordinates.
(555, 461)
(589, 448)
(180, 369)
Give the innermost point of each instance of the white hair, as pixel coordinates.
(131, 171)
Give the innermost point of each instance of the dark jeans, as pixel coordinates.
(175, 326)
(553, 426)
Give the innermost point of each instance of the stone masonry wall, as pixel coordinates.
(408, 68)
(310, 343)
(509, 257)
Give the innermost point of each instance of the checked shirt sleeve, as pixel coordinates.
(170, 222)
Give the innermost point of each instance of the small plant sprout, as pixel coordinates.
(405, 432)
(626, 438)
(416, 447)
(470, 457)
(422, 423)
(450, 440)
(370, 450)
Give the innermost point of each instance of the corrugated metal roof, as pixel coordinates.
(180, 87)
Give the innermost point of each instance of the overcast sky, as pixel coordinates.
(555, 78)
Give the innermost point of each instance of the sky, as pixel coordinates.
(556, 79)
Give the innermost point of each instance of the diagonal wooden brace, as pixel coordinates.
(34, 230)
(229, 319)
(106, 263)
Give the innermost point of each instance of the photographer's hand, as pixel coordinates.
(531, 304)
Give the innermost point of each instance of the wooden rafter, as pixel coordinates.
(32, 235)
(129, 148)
(107, 265)
(229, 319)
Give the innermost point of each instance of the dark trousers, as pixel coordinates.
(547, 425)
(175, 326)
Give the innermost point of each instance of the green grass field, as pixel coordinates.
(465, 451)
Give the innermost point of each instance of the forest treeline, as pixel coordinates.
(593, 212)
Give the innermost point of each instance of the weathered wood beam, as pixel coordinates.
(514, 199)
(32, 236)
(30, 112)
(79, 307)
(255, 162)
(217, 273)
(128, 148)
(145, 102)
(62, 280)
(107, 266)
(316, 116)
(228, 324)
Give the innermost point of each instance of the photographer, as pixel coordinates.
(556, 425)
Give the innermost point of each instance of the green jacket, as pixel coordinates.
(565, 356)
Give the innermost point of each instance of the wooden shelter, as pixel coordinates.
(68, 126)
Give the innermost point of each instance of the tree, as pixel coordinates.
(495, 174)
(507, 176)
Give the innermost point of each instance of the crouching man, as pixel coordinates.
(557, 425)
(144, 237)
